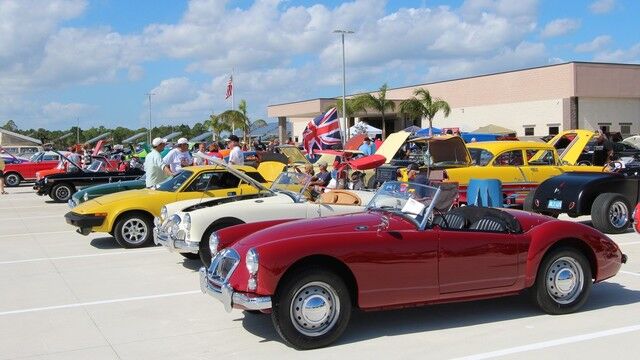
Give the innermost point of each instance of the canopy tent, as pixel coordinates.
(370, 130)
(412, 129)
(425, 132)
(494, 129)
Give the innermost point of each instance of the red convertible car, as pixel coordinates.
(309, 274)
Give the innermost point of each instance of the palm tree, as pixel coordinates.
(239, 119)
(423, 105)
(379, 103)
(217, 125)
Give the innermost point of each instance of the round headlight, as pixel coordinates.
(163, 213)
(187, 221)
(214, 242)
(251, 260)
(86, 197)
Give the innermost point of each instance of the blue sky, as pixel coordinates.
(95, 60)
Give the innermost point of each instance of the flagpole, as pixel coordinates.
(233, 103)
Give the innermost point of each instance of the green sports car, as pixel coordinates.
(92, 192)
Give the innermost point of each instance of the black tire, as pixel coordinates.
(205, 252)
(562, 261)
(610, 213)
(134, 230)
(330, 289)
(61, 193)
(190, 256)
(12, 179)
(527, 205)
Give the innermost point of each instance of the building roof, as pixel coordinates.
(20, 136)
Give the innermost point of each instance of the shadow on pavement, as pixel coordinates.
(192, 264)
(104, 243)
(370, 325)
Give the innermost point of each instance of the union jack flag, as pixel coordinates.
(322, 132)
(229, 88)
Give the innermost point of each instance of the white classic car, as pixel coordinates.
(190, 227)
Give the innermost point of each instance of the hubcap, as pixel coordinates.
(12, 180)
(62, 193)
(315, 309)
(134, 231)
(565, 280)
(618, 214)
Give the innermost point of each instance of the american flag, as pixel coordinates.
(229, 87)
(322, 132)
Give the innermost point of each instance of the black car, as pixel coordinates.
(60, 187)
(621, 149)
(609, 197)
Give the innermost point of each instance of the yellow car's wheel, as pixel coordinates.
(134, 230)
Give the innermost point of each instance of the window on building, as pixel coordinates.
(625, 129)
(554, 130)
(605, 127)
(528, 131)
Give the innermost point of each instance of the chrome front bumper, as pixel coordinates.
(174, 245)
(231, 299)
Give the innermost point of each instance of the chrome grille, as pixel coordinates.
(223, 265)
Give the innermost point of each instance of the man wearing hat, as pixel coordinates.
(156, 171)
(367, 147)
(235, 157)
(179, 156)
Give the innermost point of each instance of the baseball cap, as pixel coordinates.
(157, 141)
(234, 138)
(182, 141)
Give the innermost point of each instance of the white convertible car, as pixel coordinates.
(190, 227)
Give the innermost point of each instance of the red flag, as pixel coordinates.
(229, 87)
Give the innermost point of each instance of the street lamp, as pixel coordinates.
(344, 86)
(149, 95)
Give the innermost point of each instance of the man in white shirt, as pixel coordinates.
(179, 156)
(156, 171)
(202, 149)
(236, 157)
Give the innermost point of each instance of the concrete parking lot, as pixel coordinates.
(67, 296)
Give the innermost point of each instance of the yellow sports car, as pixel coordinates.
(520, 165)
(128, 215)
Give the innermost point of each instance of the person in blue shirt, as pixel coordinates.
(367, 147)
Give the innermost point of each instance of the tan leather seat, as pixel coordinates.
(340, 197)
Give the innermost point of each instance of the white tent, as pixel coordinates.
(357, 129)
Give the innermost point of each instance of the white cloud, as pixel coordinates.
(560, 27)
(598, 43)
(630, 55)
(602, 6)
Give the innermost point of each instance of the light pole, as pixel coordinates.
(149, 94)
(344, 86)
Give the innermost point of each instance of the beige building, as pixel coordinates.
(537, 101)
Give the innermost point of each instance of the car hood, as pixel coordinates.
(122, 185)
(128, 195)
(239, 200)
(323, 227)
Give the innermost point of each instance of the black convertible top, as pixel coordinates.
(475, 213)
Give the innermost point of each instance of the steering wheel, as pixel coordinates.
(613, 166)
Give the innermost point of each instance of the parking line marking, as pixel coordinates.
(551, 343)
(38, 233)
(80, 256)
(30, 217)
(101, 302)
(30, 207)
(629, 273)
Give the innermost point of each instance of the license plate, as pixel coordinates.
(554, 204)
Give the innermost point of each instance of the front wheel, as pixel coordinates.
(62, 192)
(12, 179)
(563, 282)
(610, 213)
(134, 231)
(311, 308)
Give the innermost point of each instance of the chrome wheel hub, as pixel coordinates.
(564, 280)
(134, 231)
(62, 193)
(12, 180)
(618, 214)
(315, 309)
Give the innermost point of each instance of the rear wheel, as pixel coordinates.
(133, 230)
(311, 308)
(563, 282)
(12, 179)
(610, 213)
(62, 192)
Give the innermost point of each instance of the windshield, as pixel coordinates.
(34, 157)
(480, 157)
(97, 165)
(291, 181)
(174, 183)
(411, 200)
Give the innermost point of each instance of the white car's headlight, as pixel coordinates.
(86, 197)
(187, 222)
(251, 260)
(163, 213)
(214, 242)
(174, 225)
